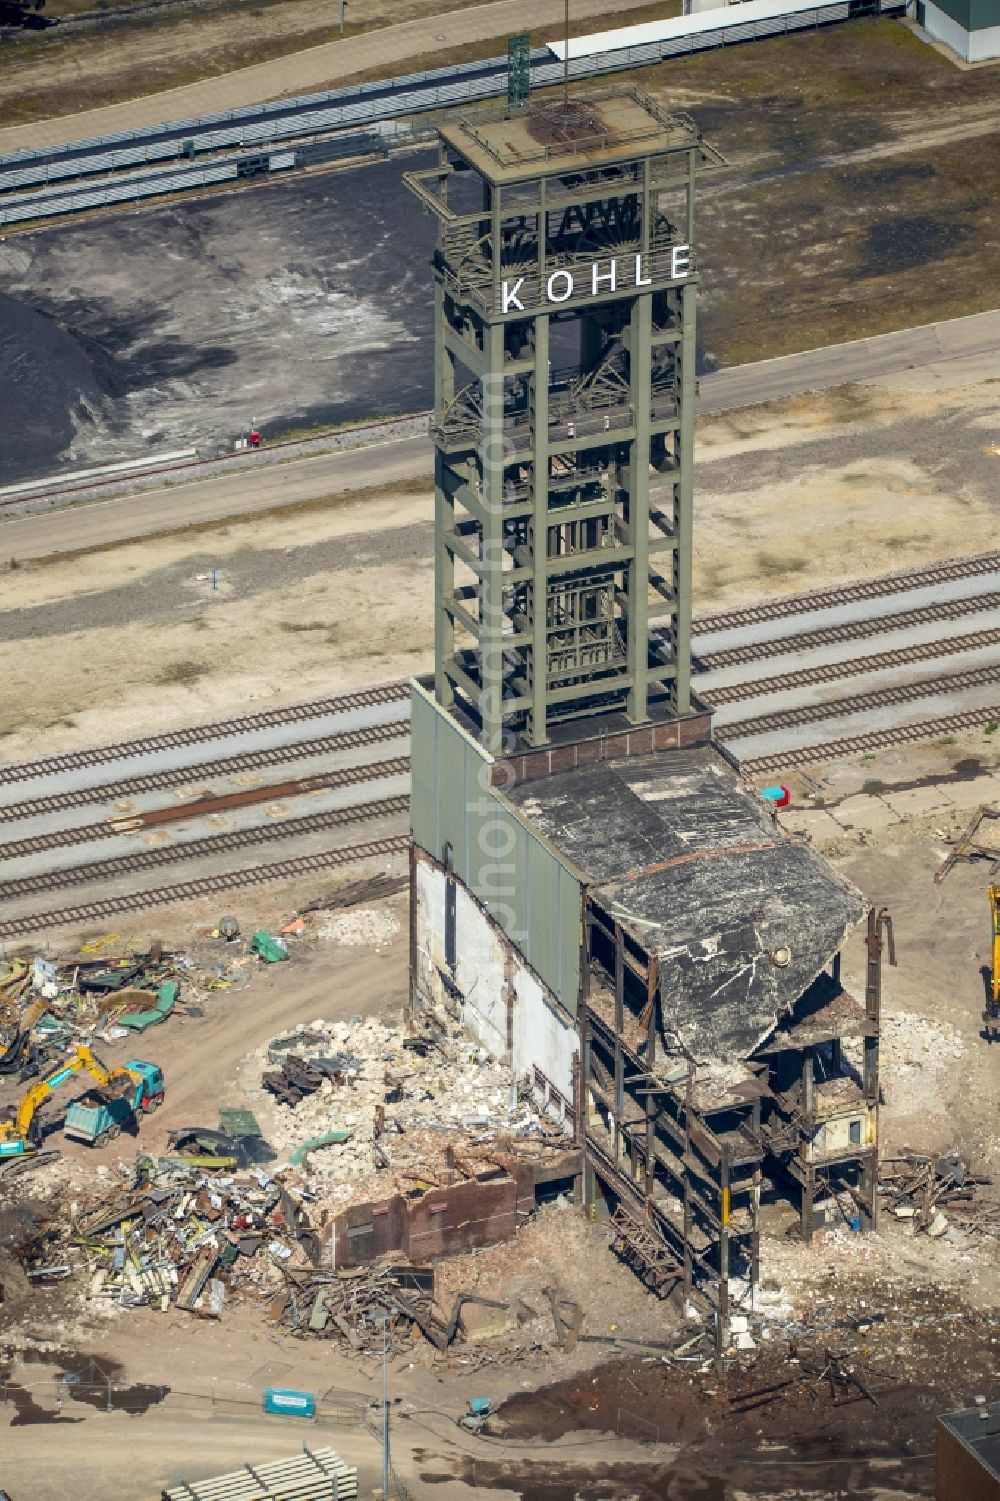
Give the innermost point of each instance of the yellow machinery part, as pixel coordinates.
(119, 1080)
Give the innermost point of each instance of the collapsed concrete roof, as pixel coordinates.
(741, 916)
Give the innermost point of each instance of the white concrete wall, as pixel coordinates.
(544, 1035)
(834, 1136)
(479, 971)
(984, 44)
(974, 46)
(942, 28)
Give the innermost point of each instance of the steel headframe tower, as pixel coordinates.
(565, 279)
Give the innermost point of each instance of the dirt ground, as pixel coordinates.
(137, 49)
(855, 204)
(329, 596)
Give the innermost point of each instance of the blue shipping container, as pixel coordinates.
(289, 1404)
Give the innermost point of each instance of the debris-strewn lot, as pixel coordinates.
(202, 1249)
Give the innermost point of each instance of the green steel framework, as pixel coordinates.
(519, 70)
(551, 560)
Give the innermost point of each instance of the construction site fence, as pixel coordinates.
(263, 127)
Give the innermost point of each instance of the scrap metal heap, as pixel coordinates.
(435, 1160)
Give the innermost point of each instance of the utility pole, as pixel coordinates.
(383, 1319)
(385, 1408)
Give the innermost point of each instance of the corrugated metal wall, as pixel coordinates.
(527, 887)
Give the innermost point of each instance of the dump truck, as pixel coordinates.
(121, 1093)
(98, 1116)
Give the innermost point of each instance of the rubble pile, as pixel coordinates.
(299, 1077)
(918, 1188)
(913, 1044)
(361, 927)
(401, 1100)
(175, 1236)
(351, 1306)
(166, 1234)
(913, 1052)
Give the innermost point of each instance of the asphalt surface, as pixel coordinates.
(293, 305)
(234, 493)
(410, 459)
(843, 364)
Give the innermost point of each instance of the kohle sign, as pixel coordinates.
(562, 284)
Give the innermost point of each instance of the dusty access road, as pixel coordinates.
(191, 499)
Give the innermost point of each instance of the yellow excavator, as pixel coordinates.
(991, 1016)
(125, 1090)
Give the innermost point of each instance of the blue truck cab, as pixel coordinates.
(98, 1118)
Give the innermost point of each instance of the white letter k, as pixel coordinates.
(510, 297)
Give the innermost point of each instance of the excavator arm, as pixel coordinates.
(115, 1081)
(994, 895)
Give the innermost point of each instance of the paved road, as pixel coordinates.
(840, 364)
(409, 459)
(324, 67)
(237, 492)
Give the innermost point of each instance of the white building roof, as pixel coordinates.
(745, 13)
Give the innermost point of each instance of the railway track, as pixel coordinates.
(848, 594)
(244, 724)
(399, 691)
(137, 861)
(183, 776)
(857, 703)
(848, 630)
(182, 891)
(830, 672)
(872, 740)
(201, 775)
(323, 781)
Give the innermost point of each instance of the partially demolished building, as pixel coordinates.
(594, 891)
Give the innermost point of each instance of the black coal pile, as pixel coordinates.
(51, 383)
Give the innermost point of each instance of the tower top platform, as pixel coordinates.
(553, 138)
